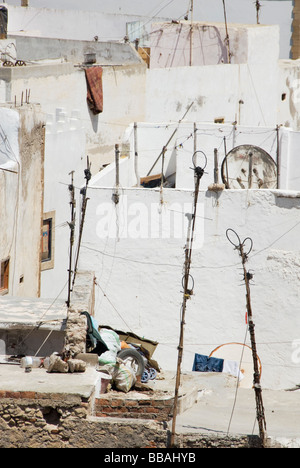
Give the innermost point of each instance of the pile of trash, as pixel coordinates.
(125, 363)
(53, 363)
(124, 359)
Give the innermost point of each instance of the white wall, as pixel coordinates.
(140, 271)
(216, 91)
(63, 86)
(172, 45)
(238, 11)
(21, 197)
(151, 138)
(64, 152)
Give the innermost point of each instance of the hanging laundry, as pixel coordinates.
(207, 364)
(93, 77)
(232, 368)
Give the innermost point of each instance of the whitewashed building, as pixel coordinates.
(136, 246)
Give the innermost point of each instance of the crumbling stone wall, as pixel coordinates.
(36, 420)
(82, 299)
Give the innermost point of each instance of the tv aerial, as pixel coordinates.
(249, 167)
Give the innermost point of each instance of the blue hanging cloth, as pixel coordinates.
(207, 364)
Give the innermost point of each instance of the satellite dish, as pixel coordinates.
(242, 354)
(249, 167)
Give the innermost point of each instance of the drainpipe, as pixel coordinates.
(278, 157)
(138, 180)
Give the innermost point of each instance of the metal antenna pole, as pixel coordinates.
(191, 33)
(83, 192)
(72, 230)
(186, 292)
(227, 35)
(258, 7)
(260, 412)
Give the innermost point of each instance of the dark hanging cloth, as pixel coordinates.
(94, 89)
(207, 364)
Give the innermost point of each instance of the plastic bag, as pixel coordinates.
(124, 378)
(112, 341)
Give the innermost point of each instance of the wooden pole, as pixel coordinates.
(260, 413)
(186, 296)
(72, 230)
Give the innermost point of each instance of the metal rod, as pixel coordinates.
(226, 164)
(192, 33)
(170, 139)
(72, 230)
(250, 170)
(136, 155)
(195, 137)
(117, 161)
(227, 35)
(278, 158)
(83, 192)
(216, 169)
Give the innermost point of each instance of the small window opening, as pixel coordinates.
(219, 120)
(4, 276)
(283, 96)
(47, 240)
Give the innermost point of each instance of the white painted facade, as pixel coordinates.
(21, 198)
(137, 251)
(136, 247)
(114, 15)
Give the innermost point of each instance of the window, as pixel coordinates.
(47, 247)
(4, 276)
(47, 240)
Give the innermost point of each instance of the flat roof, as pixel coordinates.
(16, 312)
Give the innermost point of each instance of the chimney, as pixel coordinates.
(24, 2)
(296, 30)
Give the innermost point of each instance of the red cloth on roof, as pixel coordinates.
(93, 77)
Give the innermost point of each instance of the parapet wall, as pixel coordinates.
(36, 420)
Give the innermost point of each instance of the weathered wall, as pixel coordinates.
(216, 91)
(177, 45)
(33, 420)
(288, 93)
(30, 49)
(127, 250)
(21, 198)
(113, 17)
(65, 100)
(151, 138)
